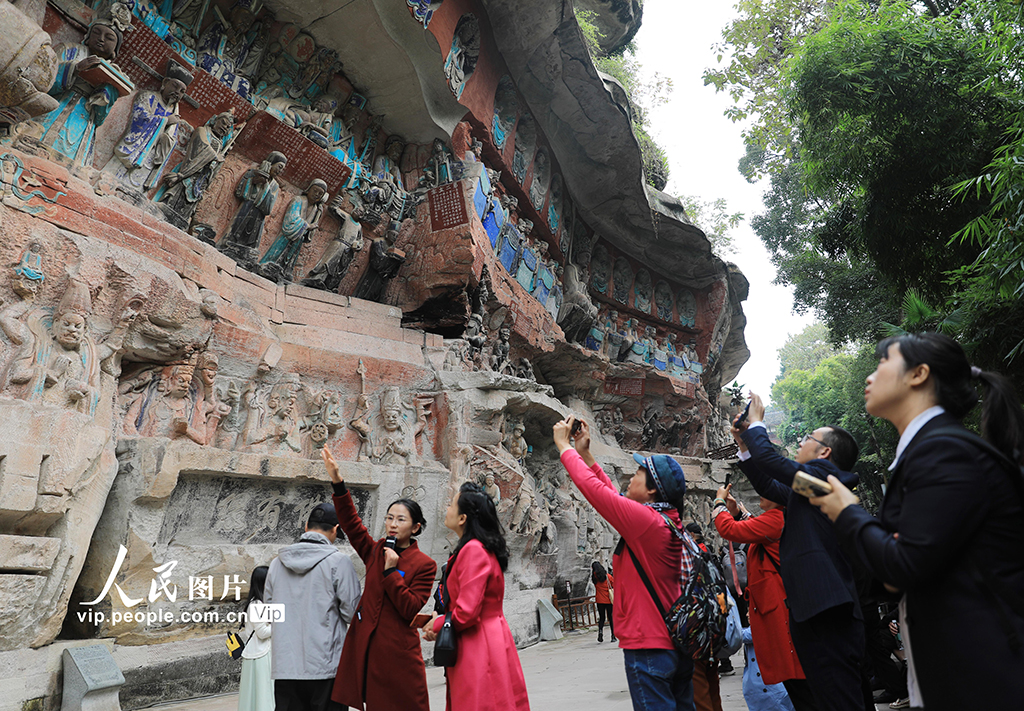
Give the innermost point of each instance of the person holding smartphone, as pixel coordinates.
(382, 645)
(825, 619)
(949, 538)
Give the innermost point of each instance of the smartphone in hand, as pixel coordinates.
(746, 411)
(808, 486)
(420, 620)
(577, 425)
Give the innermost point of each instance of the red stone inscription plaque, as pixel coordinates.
(447, 207)
(629, 387)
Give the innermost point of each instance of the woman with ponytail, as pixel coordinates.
(949, 539)
(487, 675)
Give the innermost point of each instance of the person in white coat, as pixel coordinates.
(256, 691)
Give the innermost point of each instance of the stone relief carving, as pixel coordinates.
(663, 301)
(57, 360)
(526, 141)
(232, 47)
(506, 109)
(642, 291)
(555, 207)
(686, 303)
(578, 312)
(600, 269)
(463, 55)
(541, 179)
(622, 280)
(30, 67)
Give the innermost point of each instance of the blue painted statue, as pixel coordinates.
(300, 222)
(70, 129)
(142, 153)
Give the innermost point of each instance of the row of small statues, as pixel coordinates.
(623, 343)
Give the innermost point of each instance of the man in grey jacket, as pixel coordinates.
(319, 588)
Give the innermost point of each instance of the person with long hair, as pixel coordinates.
(381, 663)
(487, 675)
(659, 676)
(604, 582)
(766, 594)
(256, 690)
(950, 533)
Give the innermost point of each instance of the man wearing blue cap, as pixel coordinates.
(319, 588)
(660, 678)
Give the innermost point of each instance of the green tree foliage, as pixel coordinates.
(714, 218)
(751, 58)
(646, 91)
(804, 350)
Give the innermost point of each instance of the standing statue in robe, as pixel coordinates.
(258, 190)
(330, 270)
(232, 48)
(385, 262)
(300, 222)
(84, 99)
(183, 188)
(141, 154)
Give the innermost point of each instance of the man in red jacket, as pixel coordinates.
(660, 678)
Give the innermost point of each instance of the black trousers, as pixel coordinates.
(305, 695)
(604, 610)
(830, 646)
(800, 694)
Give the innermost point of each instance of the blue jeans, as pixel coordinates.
(659, 679)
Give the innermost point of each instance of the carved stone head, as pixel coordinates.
(391, 409)
(209, 364)
(70, 318)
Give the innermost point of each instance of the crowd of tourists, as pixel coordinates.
(820, 593)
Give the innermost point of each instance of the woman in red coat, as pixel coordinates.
(769, 616)
(487, 675)
(380, 641)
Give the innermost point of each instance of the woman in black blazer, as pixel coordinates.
(949, 538)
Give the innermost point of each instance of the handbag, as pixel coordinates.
(446, 649)
(235, 644)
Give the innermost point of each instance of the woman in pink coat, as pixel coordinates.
(487, 675)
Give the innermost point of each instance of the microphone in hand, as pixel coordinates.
(390, 542)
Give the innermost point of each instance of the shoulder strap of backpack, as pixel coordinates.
(646, 581)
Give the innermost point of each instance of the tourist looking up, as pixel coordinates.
(660, 678)
(381, 640)
(319, 588)
(825, 620)
(766, 595)
(604, 583)
(949, 538)
(487, 675)
(256, 689)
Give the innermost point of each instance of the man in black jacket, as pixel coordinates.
(824, 615)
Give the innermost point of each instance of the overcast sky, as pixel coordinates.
(703, 148)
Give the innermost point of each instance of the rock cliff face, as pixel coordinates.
(617, 20)
(416, 236)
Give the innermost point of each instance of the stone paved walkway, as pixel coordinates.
(573, 673)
